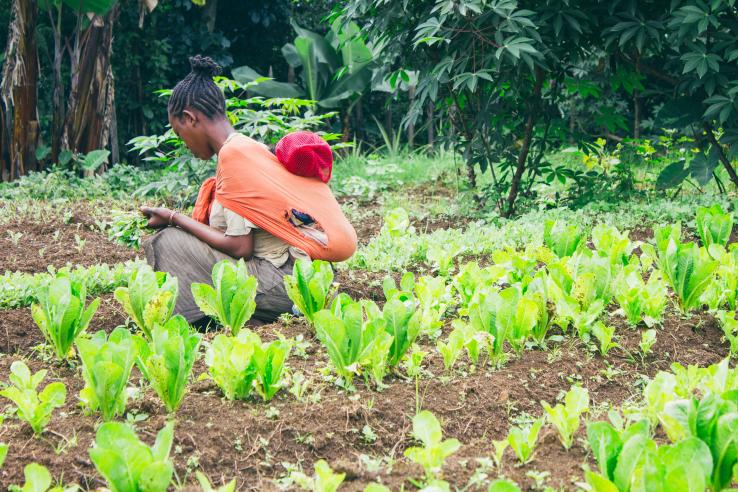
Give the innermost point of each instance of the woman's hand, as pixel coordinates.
(158, 216)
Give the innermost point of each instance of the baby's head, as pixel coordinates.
(306, 154)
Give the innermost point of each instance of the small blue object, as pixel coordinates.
(296, 311)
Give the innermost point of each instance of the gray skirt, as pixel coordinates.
(181, 254)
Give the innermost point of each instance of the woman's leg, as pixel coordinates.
(271, 295)
(184, 256)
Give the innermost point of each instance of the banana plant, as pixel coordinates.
(334, 67)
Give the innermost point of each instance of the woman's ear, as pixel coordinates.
(190, 117)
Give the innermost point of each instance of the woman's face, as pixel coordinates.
(190, 128)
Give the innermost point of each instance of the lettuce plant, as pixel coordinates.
(729, 325)
(31, 406)
(242, 364)
(639, 300)
(232, 298)
(610, 243)
(537, 291)
(562, 239)
(519, 268)
(61, 314)
(129, 465)
(435, 449)
(604, 335)
(507, 316)
(323, 480)
(503, 485)
(452, 348)
(566, 417)
(310, 286)
(38, 479)
(206, 486)
(432, 296)
(106, 368)
(403, 322)
(523, 440)
(166, 361)
(149, 298)
(714, 226)
(404, 291)
(631, 460)
(471, 279)
(689, 270)
(354, 335)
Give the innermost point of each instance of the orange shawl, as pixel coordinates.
(251, 181)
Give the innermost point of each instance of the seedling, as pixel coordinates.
(233, 300)
(566, 417)
(435, 450)
(149, 298)
(33, 407)
(323, 480)
(523, 440)
(310, 286)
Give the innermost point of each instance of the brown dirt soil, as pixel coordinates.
(252, 440)
(55, 244)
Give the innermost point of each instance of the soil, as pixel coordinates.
(362, 433)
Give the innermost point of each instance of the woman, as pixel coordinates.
(253, 209)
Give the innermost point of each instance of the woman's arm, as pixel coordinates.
(236, 246)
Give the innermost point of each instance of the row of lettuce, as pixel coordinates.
(511, 304)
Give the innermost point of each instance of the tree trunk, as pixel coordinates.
(19, 93)
(636, 115)
(721, 155)
(57, 122)
(525, 148)
(89, 113)
(210, 13)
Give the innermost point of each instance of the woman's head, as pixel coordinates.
(195, 104)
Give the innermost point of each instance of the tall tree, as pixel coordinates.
(19, 127)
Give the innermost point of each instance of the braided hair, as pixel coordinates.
(198, 91)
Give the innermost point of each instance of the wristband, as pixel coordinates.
(171, 216)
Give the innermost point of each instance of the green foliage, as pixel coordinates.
(729, 325)
(32, 406)
(604, 335)
(563, 240)
(129, 465)
(310, 286)
(232, 301)
(38, 479)
(3, 453)
(507, 316)
(640, 301)
(688, 268)
(435, 450)
(206, 486)
(502, 485)
(523, 440)
(106, 367)
(648, 338)
(324, 479)
(335, 67)
(611, 243)
(242, 364)
(355, 337)
(566, 417)
(61, 314)
(166, 360)
(714, 226)
(402, 322)
(149, 298)
(126, 228)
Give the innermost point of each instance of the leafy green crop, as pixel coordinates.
(233, 300)
(129, 465)
(452, 348)
(604, 335)
(61, 314)
(639, 300)
(714, 226)
(435, 450)
(566, 417)
(324, 479)
(166, 361)
(354, 335)
(106, 367)
(523, 440)
(38, 479)
(688, 268)
(563, 240)
(149, 298)
(507, 316)
(402, 322)
(241, 364)
(33, 407)
(206, 486)
(472, 279)
(310, 286)
(3, 453)
(611, 243)
(729, 325)
(631, 460)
